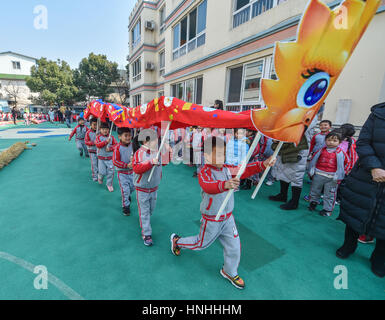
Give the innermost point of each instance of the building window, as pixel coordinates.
(161, 63)
(189, 90)
(137, 99)
(162, 18)
(16, 65)
(135, 34)
(137, 70)
(243, 85)
(245, 10)
(190, 33)
(160, 94)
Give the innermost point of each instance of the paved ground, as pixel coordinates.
(52, 214)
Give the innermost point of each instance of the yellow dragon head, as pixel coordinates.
(308, 68)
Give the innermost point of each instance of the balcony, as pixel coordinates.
(253, 9)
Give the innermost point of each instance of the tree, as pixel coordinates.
(54, 81)
(122, 87)
(12, 89)
(95, 76)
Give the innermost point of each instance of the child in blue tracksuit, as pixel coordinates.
(237, 148)
(216, 179)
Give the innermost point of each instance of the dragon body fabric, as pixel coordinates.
(308, 68)
(181, 114)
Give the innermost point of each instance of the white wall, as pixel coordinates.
(7, 68)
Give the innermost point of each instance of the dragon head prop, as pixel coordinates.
(308, 68)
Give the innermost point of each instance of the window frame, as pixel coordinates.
(137, 64)
(243, 105)
(137, 98)
(162, 68)
(191, 44)
(135, 43)
(162, 18)
(184, 83)
(16, 65)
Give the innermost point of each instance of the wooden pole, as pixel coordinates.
(266, 171)
(240, 172)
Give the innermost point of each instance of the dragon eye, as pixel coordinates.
(313, 89)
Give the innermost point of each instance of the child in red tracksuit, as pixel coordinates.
(216, 179)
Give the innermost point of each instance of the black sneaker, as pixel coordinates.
(279, 198)
(325, 213)
(346, 250)
(313, 206)
(126, 211)
(81, 153)
(148, 241)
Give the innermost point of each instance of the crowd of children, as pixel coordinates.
(328, 156)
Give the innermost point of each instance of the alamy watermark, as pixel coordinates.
(41, 280)
(341, 280)
(40, 21)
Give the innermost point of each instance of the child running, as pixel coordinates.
(89, 140)
(327, 169)
(80, 131)
(105, 144)
(216, 179)
(146, 191)
(122, 159)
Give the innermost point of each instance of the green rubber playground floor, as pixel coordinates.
(53, 214)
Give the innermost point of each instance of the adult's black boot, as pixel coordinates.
(282, 196)
(293, 203)
(350, 244)
(378, 259)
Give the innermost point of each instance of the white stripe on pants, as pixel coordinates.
(126, 184)
(146, 206)
(94, 166)
(106, 168)
(227, 233)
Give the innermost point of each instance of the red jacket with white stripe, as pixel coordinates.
(122, 158)
(80, 132)
(89, 140)
(142, 166)
(212, 181)
(105, 149)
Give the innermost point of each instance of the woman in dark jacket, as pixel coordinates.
(363, 193)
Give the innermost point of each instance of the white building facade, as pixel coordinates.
(14, 69)
(204, 50)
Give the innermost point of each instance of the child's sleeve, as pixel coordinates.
(312, 144)
(252, 169)
(209, 185)
(87, 139)
(73, 132)
(116, 159)
(100, 144)
(138, 166)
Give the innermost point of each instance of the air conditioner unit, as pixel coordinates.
(150, 66)
(149, 25)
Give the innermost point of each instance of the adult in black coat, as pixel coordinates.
(363, 192)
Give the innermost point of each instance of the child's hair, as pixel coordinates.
(212, 142)
(348, 130)
(219, 103)
(123, 130)
(94, 120)
(337, 133)
(326, 121)
(80, 119)
(104, 125)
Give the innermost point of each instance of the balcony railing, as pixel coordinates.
(198, 41)
(253, 9)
